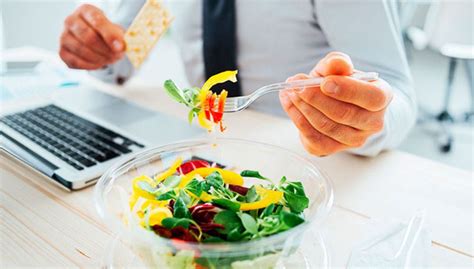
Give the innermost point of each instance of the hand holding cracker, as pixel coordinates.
(89, 40)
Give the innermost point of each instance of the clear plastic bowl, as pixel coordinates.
(114, 187)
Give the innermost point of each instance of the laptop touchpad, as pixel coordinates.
(121, 113)
(101, 105)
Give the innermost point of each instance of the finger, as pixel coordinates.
(73, 45)
(111, 33)
(335, 63)
(88, 36)
(75, 62)
(320, 144)
(339, 132)
(373, 96)
(342, 112)
(299, 76)
(315, 149)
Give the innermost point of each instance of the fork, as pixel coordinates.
(236, 104)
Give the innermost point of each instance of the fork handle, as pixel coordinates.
(364, 76)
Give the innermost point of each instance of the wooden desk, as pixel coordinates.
(44, 226)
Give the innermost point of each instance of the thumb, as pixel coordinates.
(335, 63)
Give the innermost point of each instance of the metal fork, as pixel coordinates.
(236, 104)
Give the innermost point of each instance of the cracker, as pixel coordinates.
(148, 26)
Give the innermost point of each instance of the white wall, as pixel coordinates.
(34, 22)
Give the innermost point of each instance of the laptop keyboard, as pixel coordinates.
(71, 138)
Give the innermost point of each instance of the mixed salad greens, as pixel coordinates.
(195, 201)
(207, 106)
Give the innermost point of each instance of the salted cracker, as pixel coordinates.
(148, 26)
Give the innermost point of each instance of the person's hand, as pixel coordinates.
(342, 113)
(89, 40)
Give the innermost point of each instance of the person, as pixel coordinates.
(270, 41)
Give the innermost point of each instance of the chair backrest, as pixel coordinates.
(450, 22)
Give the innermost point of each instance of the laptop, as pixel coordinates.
(74, 136)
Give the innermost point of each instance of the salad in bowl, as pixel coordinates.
(214, 204)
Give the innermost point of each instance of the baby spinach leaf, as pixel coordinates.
(295, 197)
(166, 196)
(173, 91)
(171, 223)
(277, 209)
(215, 180)
(295, 187)
(180, 209)
(290, 219)
(190, 96)
(195, 187)
(296, 203)
(249, 223)
(193, 113)
(234, 235)
(186, 198)
(251, 173)
(267, 211)
(226, 204)
(282, 180)
(213, 239)
(251, 195)
(229, 219)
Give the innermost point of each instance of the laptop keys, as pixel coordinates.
(75, 140)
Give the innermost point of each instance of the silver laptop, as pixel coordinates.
(74, 136)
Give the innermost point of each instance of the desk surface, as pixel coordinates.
(44, 226)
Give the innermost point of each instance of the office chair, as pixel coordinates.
(448, 30)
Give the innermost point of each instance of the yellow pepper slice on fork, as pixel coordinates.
(204, 93)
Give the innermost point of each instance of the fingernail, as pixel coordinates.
(291, 93)
(118, 46)
(330, 87)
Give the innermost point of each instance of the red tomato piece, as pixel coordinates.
(216, 116)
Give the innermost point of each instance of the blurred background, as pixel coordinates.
(438, 37)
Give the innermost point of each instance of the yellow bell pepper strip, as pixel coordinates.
(208, 115)
(216, 79)
(206, 197)
(170, 170)
(267, 197)
(133, 200)
(139, 192)
(228, 176)
(150, 203)
(203, 121)
(157, 215)
(154, 204)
